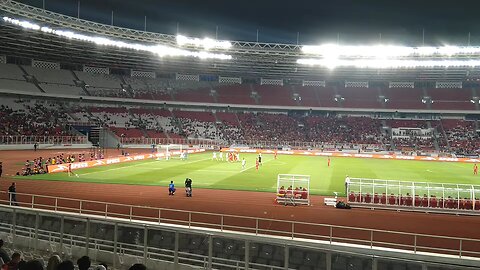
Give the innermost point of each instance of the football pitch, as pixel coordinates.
(213, 174)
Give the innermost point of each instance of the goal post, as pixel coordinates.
(293, 189)
(170, 150)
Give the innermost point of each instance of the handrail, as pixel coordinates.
(291, 231)
(47, 139)
(224, 215)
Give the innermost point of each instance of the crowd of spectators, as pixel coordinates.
(191, 128)
(39, 118)
(134, 125)
(414, 143)
(15, 261)
(35, 166)
(463, 138)
(39, 165)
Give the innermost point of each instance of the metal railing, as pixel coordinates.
(372, 238)
(253, 143)
(151, 141)
(21, 139)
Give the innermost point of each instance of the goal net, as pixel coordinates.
(293, 189)
(171, 150)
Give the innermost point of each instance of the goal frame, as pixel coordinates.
(169, 149)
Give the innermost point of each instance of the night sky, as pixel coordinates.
(352, 21)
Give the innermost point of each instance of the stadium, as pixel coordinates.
(316, 156)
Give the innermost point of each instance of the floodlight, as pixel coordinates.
(206, 43)
(385, 63)
(159, 50)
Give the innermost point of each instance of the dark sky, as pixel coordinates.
(355, 21)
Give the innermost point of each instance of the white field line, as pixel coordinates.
(253, 166)
(135, 165)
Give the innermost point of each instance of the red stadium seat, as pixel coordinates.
(461, 204)
(383, 199)
(408, 200)
(433, 202)
(468, 205)
(304, 194)
(368, 198)
(418, 201)
(450, 203)
(441, 203)
(425, 202)
(392, 199)
(351, 197)
(477, 204)
(376, 198)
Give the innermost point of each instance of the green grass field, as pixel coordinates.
(208, 173)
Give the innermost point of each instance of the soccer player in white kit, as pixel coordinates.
(214, 156)
(221, 156)
(244, 163)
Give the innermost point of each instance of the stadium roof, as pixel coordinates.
(249, 59)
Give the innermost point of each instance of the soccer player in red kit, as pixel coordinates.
(256, 164)
(475, 169)
(328, 162)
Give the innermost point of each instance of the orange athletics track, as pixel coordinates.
(251, 204)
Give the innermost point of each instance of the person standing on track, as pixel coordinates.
(347, 182)
(1, 169)
(188, 187)
(12, 193)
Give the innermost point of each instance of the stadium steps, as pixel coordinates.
(176, 122)
(425, 94)
(238, 120)
(317, 98)
(213, 93)
(255, 97)
(94, 135)
(444, 134)
(389, 132)
(31, 79)
(380, 94)
(435, 137)
(127, 87)
(336, 93)
(294, 95)
(216, 118)
(82, 85)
